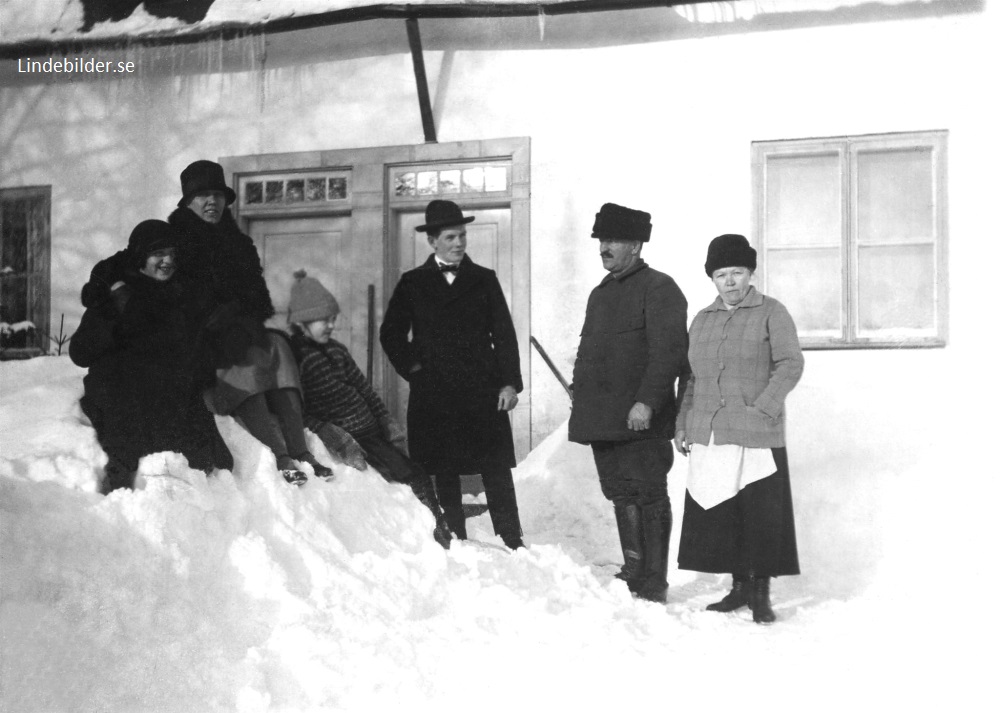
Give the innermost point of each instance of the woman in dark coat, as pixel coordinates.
(464, 371)
(745, 359)
(257, 376)
(147, 365)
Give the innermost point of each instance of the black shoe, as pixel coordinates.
(739, 596)
(293, 476)
(760, 601)
(319, 470)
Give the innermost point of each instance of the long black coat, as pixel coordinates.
(147, 369)
(464, 341)
(633, 348)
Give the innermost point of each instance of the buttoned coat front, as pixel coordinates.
(744, 362)
(464, 342)
(633, 348)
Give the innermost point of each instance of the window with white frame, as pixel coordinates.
(851, 236)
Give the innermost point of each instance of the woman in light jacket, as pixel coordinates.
(745, 359)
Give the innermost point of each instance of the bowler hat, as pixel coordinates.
(616, 222)
(442, 214)
(204, 176)
(148, 237)
(730, 250)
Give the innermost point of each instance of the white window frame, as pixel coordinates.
(847, 149)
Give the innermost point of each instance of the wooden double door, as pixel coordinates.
(352, 227)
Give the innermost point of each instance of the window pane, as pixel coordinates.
(895, 196)
(808, 282)
(895, 288)
(803, 200)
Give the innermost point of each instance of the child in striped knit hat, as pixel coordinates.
(340, 405)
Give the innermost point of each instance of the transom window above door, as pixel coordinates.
(851, 234)
(482, 179)
(295, 190)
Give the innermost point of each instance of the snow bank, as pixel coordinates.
(238, 592)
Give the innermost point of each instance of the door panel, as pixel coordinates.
(321, 247)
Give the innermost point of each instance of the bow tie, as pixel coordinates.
(447, 268)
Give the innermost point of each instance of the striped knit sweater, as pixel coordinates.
(334, 389)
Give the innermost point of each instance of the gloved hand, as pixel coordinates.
(393, 433)
(340, 443)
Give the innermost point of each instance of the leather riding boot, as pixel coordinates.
(629, 519)
(449, 495)
(739, 596)
(657, 521)
(760, 600)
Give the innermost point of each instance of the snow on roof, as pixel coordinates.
(62, 21)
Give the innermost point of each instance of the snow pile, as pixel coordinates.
(238, 592)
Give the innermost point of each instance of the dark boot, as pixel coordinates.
(424, 491)
(117, 475)
(505, 517)
(760, 600)
(739, 596)
(449, 495)
(442, 533)
(657, 521)
(629, 519)
(501, 499)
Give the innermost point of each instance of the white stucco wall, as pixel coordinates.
(663, 126)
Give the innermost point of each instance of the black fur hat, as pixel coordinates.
(730, 250)
(616, 222)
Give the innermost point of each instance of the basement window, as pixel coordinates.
(851, 235)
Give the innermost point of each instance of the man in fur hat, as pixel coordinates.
(464, 371)
(633, 348)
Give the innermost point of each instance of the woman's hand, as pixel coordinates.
(680, 442)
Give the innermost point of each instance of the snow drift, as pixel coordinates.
(238, 592)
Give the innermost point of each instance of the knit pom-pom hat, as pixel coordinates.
(310, 301)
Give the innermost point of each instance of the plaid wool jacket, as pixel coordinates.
(744, 362)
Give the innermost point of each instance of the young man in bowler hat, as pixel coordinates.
(463, 367)
(633, 349)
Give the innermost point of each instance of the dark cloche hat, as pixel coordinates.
(730, 250)
(442, 214)
(616, 222)
(148, 237)
(204, 176)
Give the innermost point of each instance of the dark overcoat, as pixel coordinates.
(464, 341)
(146, 370)
(633, 348)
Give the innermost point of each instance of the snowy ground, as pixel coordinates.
(241, 593)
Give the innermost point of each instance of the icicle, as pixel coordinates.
(541, 24)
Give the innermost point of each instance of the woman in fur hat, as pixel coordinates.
(147, 368)
(257, 379)
(745, 359)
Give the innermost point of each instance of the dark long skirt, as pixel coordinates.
(751, 533)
